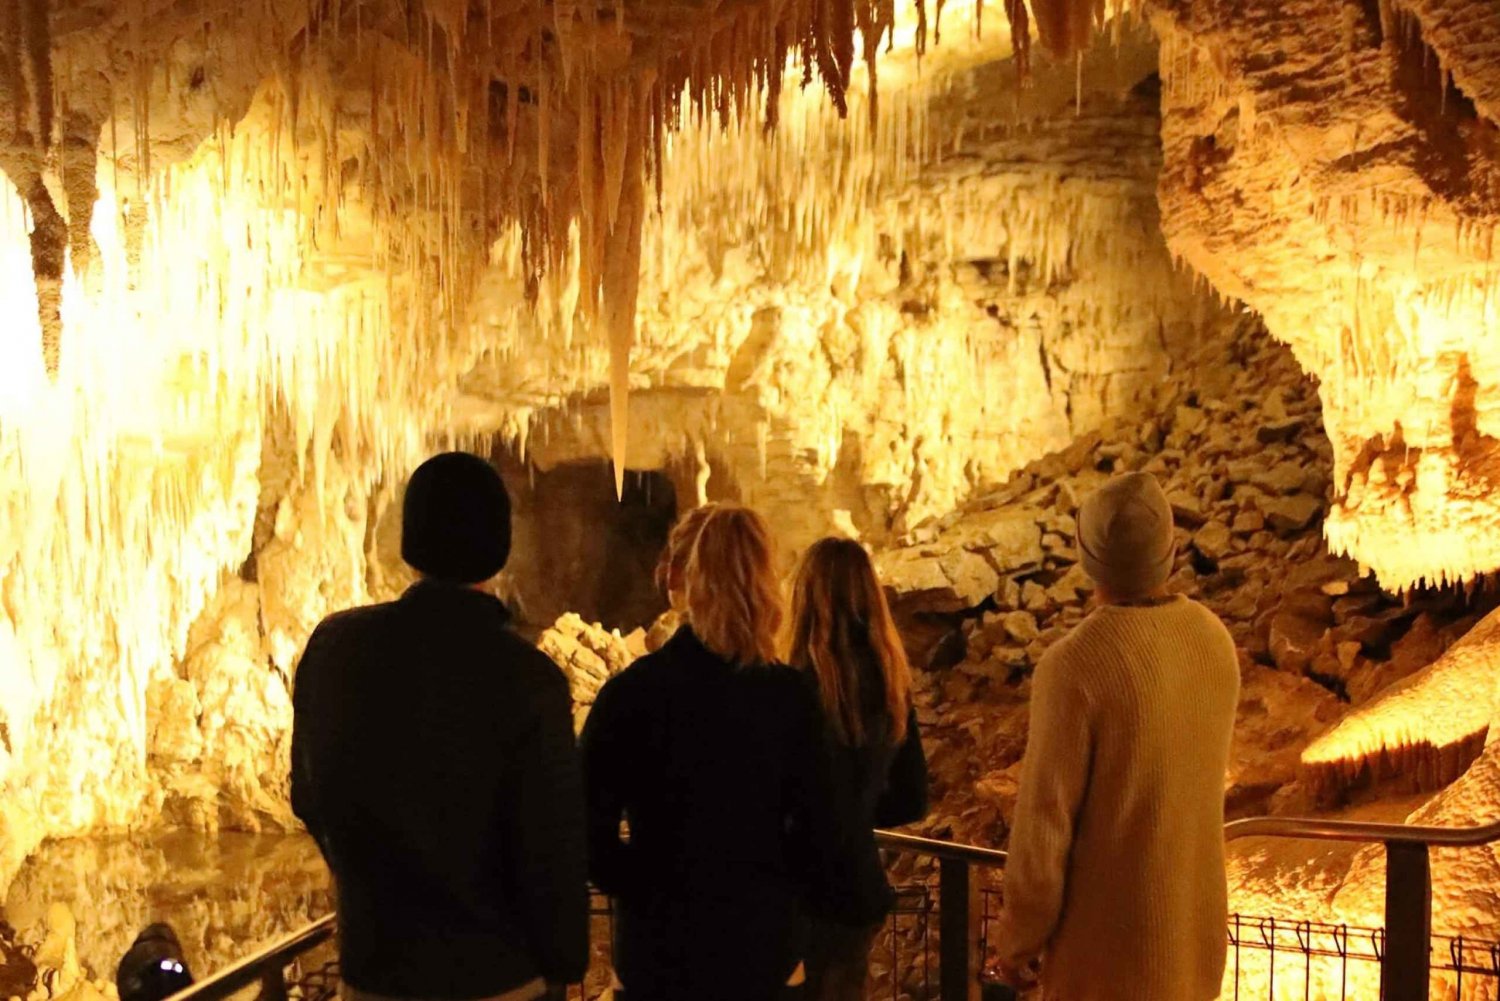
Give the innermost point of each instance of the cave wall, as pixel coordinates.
(852, 331)
(1335, 167)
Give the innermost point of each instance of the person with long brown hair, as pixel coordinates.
(843, 636)
(710, 750)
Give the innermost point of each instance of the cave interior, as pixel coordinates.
(910, 274)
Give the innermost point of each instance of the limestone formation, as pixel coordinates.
(1347, 188)
(256, 260)
(589, 655)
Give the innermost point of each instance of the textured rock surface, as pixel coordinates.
(217, 462)
(928, 329)
(1336, 167)
(203, 428)
(223, 894)
(588, 654)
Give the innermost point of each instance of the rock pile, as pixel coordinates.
(588, 654)
(984, 591)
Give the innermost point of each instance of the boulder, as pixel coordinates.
(1248, 522)
(1186, 507)
(1291, 514)
(1021, 627)
(921, 581)
(1282, 478)
(1034, 597)
(1010, 538)
(1213, 540)
(1072, 586)
(1294, 639)
(1279, 430)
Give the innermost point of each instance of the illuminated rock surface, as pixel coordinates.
(223, 895)
(256, 261)
(1342, 178)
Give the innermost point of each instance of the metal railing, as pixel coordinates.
(1403, 948)
(960, 906)
(266, 968)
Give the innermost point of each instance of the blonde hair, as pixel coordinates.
(841, 628)
(733, 595)
(679, 548)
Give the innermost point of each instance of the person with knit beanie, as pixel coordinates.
(433, 760)
(1115, 887)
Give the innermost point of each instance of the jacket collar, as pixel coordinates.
(431, 589)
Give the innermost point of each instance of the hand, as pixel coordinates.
(1022, 975)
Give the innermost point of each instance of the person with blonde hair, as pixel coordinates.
(671, 568)
(843, 636)
(709, 750)
(671, 574)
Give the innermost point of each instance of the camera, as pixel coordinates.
(153, 968)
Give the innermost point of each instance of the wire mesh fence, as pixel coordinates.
(1269, 958)
(901, 964)
(1281, 959)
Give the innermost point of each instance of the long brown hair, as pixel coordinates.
(841, 627)
(733, 595)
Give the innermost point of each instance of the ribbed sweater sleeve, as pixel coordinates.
(1054, 777)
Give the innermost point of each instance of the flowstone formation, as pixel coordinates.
(1336, 167)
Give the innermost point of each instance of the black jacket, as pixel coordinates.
(720, 772)
(879, 784)
(433, 760)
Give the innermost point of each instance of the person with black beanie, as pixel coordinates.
(433, 760)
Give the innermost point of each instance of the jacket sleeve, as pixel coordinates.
(304, 722)
(904, 800)
(1054, 779)
(606, 770)
(546, 841)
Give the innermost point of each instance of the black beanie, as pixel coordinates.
(455, 523)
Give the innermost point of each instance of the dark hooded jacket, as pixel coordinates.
(433, 760)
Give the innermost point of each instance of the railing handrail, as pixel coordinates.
(254, 968)
(955, 851)
(1313, 829)
(273, 958)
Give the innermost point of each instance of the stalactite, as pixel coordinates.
(1020, 34)
(49, 242)
(36, 42)
(622, 282)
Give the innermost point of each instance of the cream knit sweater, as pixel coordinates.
(1116, 871)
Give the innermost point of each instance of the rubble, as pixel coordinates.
(589, 655)
(1247, 473)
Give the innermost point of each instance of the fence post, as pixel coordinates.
(1408, 923)
(958, 930)
(273, 983)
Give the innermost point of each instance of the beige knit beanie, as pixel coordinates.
(1125, 535)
